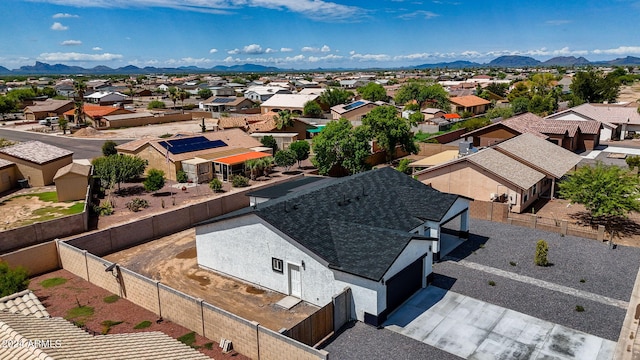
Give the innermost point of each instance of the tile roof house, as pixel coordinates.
(293, 102)
(24, 321)
(619, 121)
(376, 232)
(264, 93)
(36, 161)
(571, 135)
(108, 98)
(469, 103)
(226, 104)
(50, 107)
(518, 171)
(95, 113)
(353, 111)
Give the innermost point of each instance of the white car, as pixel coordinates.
(51, 120)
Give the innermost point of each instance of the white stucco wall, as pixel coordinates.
(606, 133)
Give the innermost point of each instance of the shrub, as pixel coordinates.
(492, 283)
(215, 185)
(109, 148)
(104, 209)
(12, 280)
(512, 263)
(239, 181)
(583, 280)
(542, 248)
(579, 308)
(181, 176)
(403, 166)
(137, 204)
(156, 104)
(154, 181)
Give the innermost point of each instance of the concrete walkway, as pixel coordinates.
(474, 329)
(628, 347)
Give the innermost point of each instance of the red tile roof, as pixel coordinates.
(241, 158)
(451, 116)
(95, 110)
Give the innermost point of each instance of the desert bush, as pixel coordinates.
(137, 204)
(542, 249)
(239, 181)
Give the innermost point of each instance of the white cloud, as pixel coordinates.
(230, 59)
(64, 16)
(370, 57)
(74, 56)
(418, 14)
(253, 49)
(309, 49)
(59, 27)
(284, 49)
(71, 43)
(319, 10)
(270, 51)
(329, 58)
(213, 51)
(233, 52)
(188, 61)
(622, 50)
(325, 48)
(96, 48)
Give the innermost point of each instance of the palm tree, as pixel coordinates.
(283, 120)
(253, 166)
(265, 165)
(183, 94)
(173, 95)
(79, 88)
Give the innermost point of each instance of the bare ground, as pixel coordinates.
(19, 209)
(172, 261)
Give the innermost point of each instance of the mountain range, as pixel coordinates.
(508, 61)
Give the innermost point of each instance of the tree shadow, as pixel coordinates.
(162, 194)
(618, 224)
(130, 191)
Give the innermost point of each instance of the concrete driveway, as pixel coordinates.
(474, 329)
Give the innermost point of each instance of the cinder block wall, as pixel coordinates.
(219, 324)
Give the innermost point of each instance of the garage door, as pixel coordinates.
(404, 284)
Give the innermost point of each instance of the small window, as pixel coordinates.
(535, 188)
(276, 265)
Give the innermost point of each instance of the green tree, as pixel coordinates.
(183, 94)
(389, 130)
(340, 145)
(270, 141)
(156, 104)
(520, 104)
(7, 105)
(520, 90)
(594, 87)
(285, 159)
(173, 95)
(472, 124)
(283, 119)
(63, 123)
(503, 112)
(181, 176)
(312, 109)
(155, 180)
(373, 92)
(499, 89)
(109, 148)
(416, 118)
(333, 96)
(254, 166)
(301, 149)
(114, 170)
(542, 249)
(79, 88)
(434, 94)
(403, 166)
(205, 93)
(607, 192)
(12, 280)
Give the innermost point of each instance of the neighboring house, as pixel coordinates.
(432, 113)
(222, 91)
(353, 83)
(376, 232)
(226, 104)
(518, 171)
(299, 128)
(168, 154)
(353, 111)
(283, 139)
(619, 121)
(8, 177)
(293, 102)
(94, 114)
(469, 103)
(569, 134)
(312, 91)
(23, 318)
(108, 98)
(42, 109)
(72, 181)
(36, 162)
(264, 93)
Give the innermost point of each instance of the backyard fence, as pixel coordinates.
(564, 227)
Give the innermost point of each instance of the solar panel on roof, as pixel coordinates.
(223, 100)
(354, 105)
(181, 146)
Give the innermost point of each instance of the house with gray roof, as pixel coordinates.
(619, 121)
(376, 232)
(518, 171)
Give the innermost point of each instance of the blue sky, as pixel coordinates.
(308, 34)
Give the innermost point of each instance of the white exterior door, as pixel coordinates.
(295, 285)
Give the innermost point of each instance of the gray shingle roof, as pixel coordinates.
(358, 224)
(283, 189)
(540, 154)
(36, 152)
(75, 343)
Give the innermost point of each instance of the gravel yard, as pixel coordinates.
(610, 273)
(361, 341)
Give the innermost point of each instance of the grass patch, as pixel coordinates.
(108, 324)
(492, 283)
(188, 338)
(80, 311)
(579, 308)
(53, 282)
(208, 346)
(111, 299)
(143, 325)
(50, 196)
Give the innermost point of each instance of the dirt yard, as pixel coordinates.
(172, 261)
(32, 205)
(629, 93)
(629, 229)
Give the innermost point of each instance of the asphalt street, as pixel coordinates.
(82, 148)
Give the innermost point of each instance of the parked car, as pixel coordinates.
(51, 120)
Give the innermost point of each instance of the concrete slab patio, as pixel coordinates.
(474, 329)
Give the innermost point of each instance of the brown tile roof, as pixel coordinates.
(540, 154)
(5, 163)
(134, 145)
(232, 137)
(78, 344)
(262, 126)
(232, 122)
(469, 100)
(48, 105)
(73, 168)
(23, 302)
(36, 152)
